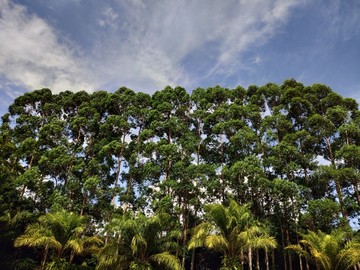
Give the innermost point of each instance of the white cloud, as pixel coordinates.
(143, 44)
(160, 35)
(109, 18)
(342, 18)
(32, 56)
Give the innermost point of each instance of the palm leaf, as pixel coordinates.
(217, 242)
(200, 233)
(167, 259)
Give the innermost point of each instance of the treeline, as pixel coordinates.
(233, 178)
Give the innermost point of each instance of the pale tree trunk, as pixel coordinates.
(118, 170)
(185, 222)
(267, 260)
(222, 167)
(283, 244)
(288, 242)
(300, 257)
(242, 259)
(83, 203)
(337, 181)
(250, 258)
(192, 259)
(273, 259)
(257, 260)
(43, 262)
(72, 255)
(300, 263)
(307, 264)
(118, 244)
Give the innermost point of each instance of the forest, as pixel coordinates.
(266, 177)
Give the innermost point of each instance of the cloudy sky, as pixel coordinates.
(148, 44)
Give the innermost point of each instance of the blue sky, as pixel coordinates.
(146, 45)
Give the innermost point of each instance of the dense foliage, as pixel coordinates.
(239, 179)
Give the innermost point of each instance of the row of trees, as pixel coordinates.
(140, 242)
(289, 154)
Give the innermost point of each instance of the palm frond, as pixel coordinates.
(168, 260)
(76, 245)
(200, 232)
(138, 243)
(217, 242)
(299, 250)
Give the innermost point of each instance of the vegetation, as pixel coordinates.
(259, 178)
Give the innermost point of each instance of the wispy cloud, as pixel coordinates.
(109, 18)
(342, 18)
(32, 56)
(157, 37)
(144, 45)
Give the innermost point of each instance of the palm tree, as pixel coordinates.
(231, 231)
(329, 251)
(59, 231)
(256, 237)
(139, 243)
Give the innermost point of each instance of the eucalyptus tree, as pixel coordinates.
(169, 120)
(31, 115)
(175, 152)
(175, 149)
(115, 131)
(348, 162)
(206, 180)
(321, 214)
(332, 113)
(218, 99)
(286, 201)
(248, 183)
(136, 176)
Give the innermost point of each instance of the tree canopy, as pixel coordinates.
(213, 178)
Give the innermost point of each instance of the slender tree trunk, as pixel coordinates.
(267, 260)
(118, 244)
(300, 263)
(24, 187)
(257, 260)
(222, 166)
(287, 243)
(273, 259)
(300, 257)
(185, 222)
(72, 255)
(43, 262)
(357, 194)
(117, 175)
(307, 264)
(283, 244)
(337, 181)
(192, 265)
(250, 258)
(83, 203)
(242, 259)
